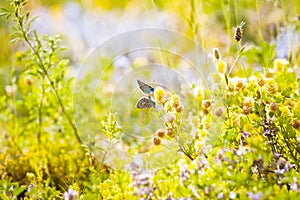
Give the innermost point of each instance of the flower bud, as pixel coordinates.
(156, 141)
(296, 124)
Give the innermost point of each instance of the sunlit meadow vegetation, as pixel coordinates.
(239, 138)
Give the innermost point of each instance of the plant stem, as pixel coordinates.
(42, 65)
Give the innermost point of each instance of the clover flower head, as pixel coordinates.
(248, 102)
(271, 86)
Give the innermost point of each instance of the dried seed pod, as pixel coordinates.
(238, 34)
(156, 141)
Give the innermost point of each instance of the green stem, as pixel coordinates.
(42, 65)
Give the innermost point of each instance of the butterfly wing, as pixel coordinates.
(145, 103)
(147, 89)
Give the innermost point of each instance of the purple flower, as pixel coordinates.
(255, 196)
(71, 194)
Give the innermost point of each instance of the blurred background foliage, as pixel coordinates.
(85, 24)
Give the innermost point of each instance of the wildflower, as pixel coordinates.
(159, 95)
(218, 111)
(235, 119)
(296, 108)
(198, 92)
(11, 90)
(168, 107)
(230, 87)
(273, 106)
(179, 109)
(71, 194)
(194, 191)
(270, 73)
(280, 64)
(240, 85)
(248, 102)
(170, 117)
(282, 166)
(255, 196)
(220, 195)
(294, 185)
(232, 195)
(261, 82)
(296, 124)
(271, 86)
(156, 141)
(206, 104)
(175, 101)
(170, 132)
(184, 173)
(290, 102)
(244, 136)
(142, 184)
(248, 127)
(222, 67)
(160, 133)
(284, 111)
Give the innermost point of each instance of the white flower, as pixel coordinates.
(71, 194)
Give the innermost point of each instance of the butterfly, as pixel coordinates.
(147, 89)
(145, 102)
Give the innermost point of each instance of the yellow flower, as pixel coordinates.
(284, 111)
(235, 119)
(296, 108)
(222, 67)
(248, 127)
(240, 85)
(168, 106)
(159, 95)
(206, 104)
(271, 86)
(198, 92)
(230, 87)
(248, 102)
(280, 64)
(175, 101)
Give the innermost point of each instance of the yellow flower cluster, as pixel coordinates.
(172, 107)
(270, 86)
(159, 95)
